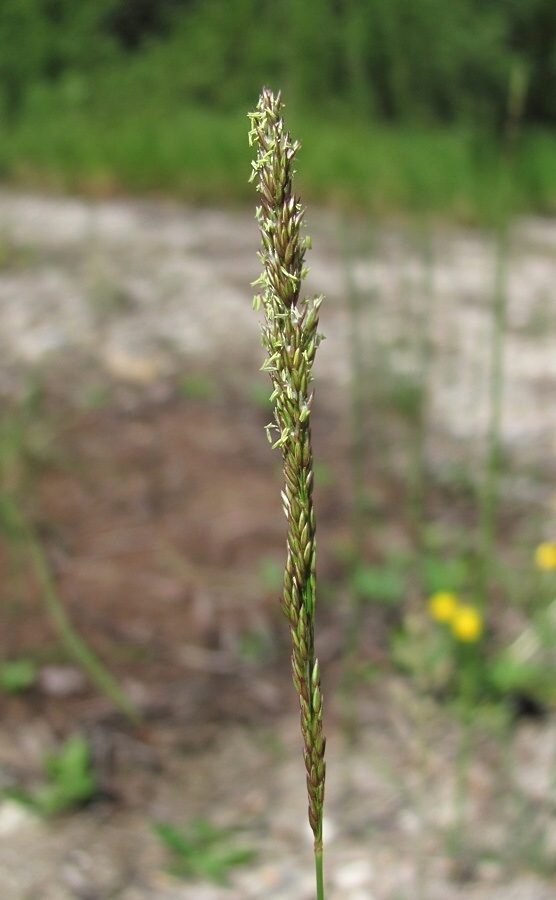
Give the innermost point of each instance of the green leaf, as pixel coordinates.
(174, 840)
(70, 780)
(444, 574)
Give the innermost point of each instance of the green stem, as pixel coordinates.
(319, 874)
(463, 764)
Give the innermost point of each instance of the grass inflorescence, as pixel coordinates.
(290, 338)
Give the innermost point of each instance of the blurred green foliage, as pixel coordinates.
(397, 59)
(69, 780)
(403, 102)
(17, 675)
(203, 850)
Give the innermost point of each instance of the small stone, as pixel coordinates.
(14, 817)
(62, 681)
(490, 871)
(138, 368)
(357, 873)
(409, 821)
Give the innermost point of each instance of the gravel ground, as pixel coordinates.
(393, 821)
(143, 288)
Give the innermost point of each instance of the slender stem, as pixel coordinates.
(463, 763)
(357, 472)
(357, 410)
(423, 316)
(490, 485)
(319, 874)
(73, 642)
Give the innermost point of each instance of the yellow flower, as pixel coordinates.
(545, 555)
(443, 606)
(467, 623)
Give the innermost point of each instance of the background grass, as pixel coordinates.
(201, 156)
(400, 106)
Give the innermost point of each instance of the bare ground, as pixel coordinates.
(145, 469)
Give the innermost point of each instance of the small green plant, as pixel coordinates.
(443, 649)
(17, 675)
(203, 850)
(70, 781)
(448, 651)
(526, 668)
(290, 338)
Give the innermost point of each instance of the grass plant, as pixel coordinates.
(69, 780)
(290, 338)
(202, 850)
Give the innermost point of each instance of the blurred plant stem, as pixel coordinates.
(423, 352)
(21, 530)
(489, 490)
(357, 449)
(358, 379)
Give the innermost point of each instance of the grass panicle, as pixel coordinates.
(290, 338)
